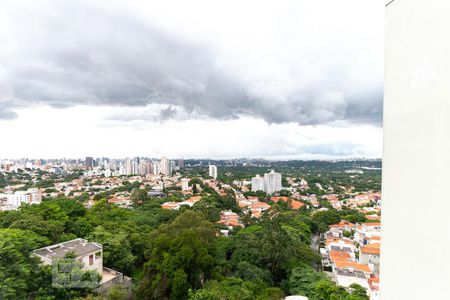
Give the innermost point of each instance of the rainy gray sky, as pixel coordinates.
(217, 79)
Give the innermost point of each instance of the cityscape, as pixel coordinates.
(330, 209)
(224, 150)
(201, 150)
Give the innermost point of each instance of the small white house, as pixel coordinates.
(90, 254)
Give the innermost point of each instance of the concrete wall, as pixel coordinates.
(416, 159)
(97, 262)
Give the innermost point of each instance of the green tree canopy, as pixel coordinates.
(180, 257)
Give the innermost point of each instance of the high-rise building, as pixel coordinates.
(107, 169)
(113, 165)
(89, 162)
(156, 167)
(213, 171)
(134, 167)
(181, 163)
(127, 166)
(184, 184)
(173, 166)
(122, 169)
(148, 168)
(142, 168)
(257, 183)
(165, 166)
(272, 182)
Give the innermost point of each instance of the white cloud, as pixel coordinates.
(84, 131)
(274, 79)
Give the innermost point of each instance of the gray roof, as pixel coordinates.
(350, 272)
(156, 194)
(78, 246)
(341, 248)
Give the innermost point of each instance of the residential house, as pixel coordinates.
(367, 231)
(294, 204)
(90, 255)
(370, 255)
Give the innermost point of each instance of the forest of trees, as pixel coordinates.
(327, 173)
(170, 254)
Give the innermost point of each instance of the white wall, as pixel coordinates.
(416, 159)
(97, 263)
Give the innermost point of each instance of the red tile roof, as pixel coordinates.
(371, 249)
(339, 256)
(352, 264)
(294, 204)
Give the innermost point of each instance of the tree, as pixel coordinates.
(180, 258)
(326, 218)
(117, 292)
(303, 280)
(358, 292)
(228, 202)
(275, 245)
(230, 288)
(327, 290)
(139, 196)
(352, 216)
(194, 189)
(235, 289)
(347, 234)
(208, 209)
(116, 248)
(18, 270)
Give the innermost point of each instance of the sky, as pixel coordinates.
(195, 79)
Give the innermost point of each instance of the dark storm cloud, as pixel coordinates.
(71, 53)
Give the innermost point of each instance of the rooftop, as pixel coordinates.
(342, 248)
(351, 265)
(338, 255)
(78, 246)
(350, 272)
(371, 249)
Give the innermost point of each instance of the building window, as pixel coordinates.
(91, 259)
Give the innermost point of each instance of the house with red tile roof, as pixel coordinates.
(347, 271)
(294, 204)
(230, 219)
(370, 254)
(176, 205)
(367, 231)
(374, 285)
(253, 205)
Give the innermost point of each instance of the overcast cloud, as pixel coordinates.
(310, 64)
(303, 62)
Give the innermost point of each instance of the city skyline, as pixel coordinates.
(298, 81)
(205, 159)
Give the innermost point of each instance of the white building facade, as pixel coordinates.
(416, 126)
(184, 184)
(213, 171)
(14, 200)
(165, 166)
(270, 183)
(257, 183)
